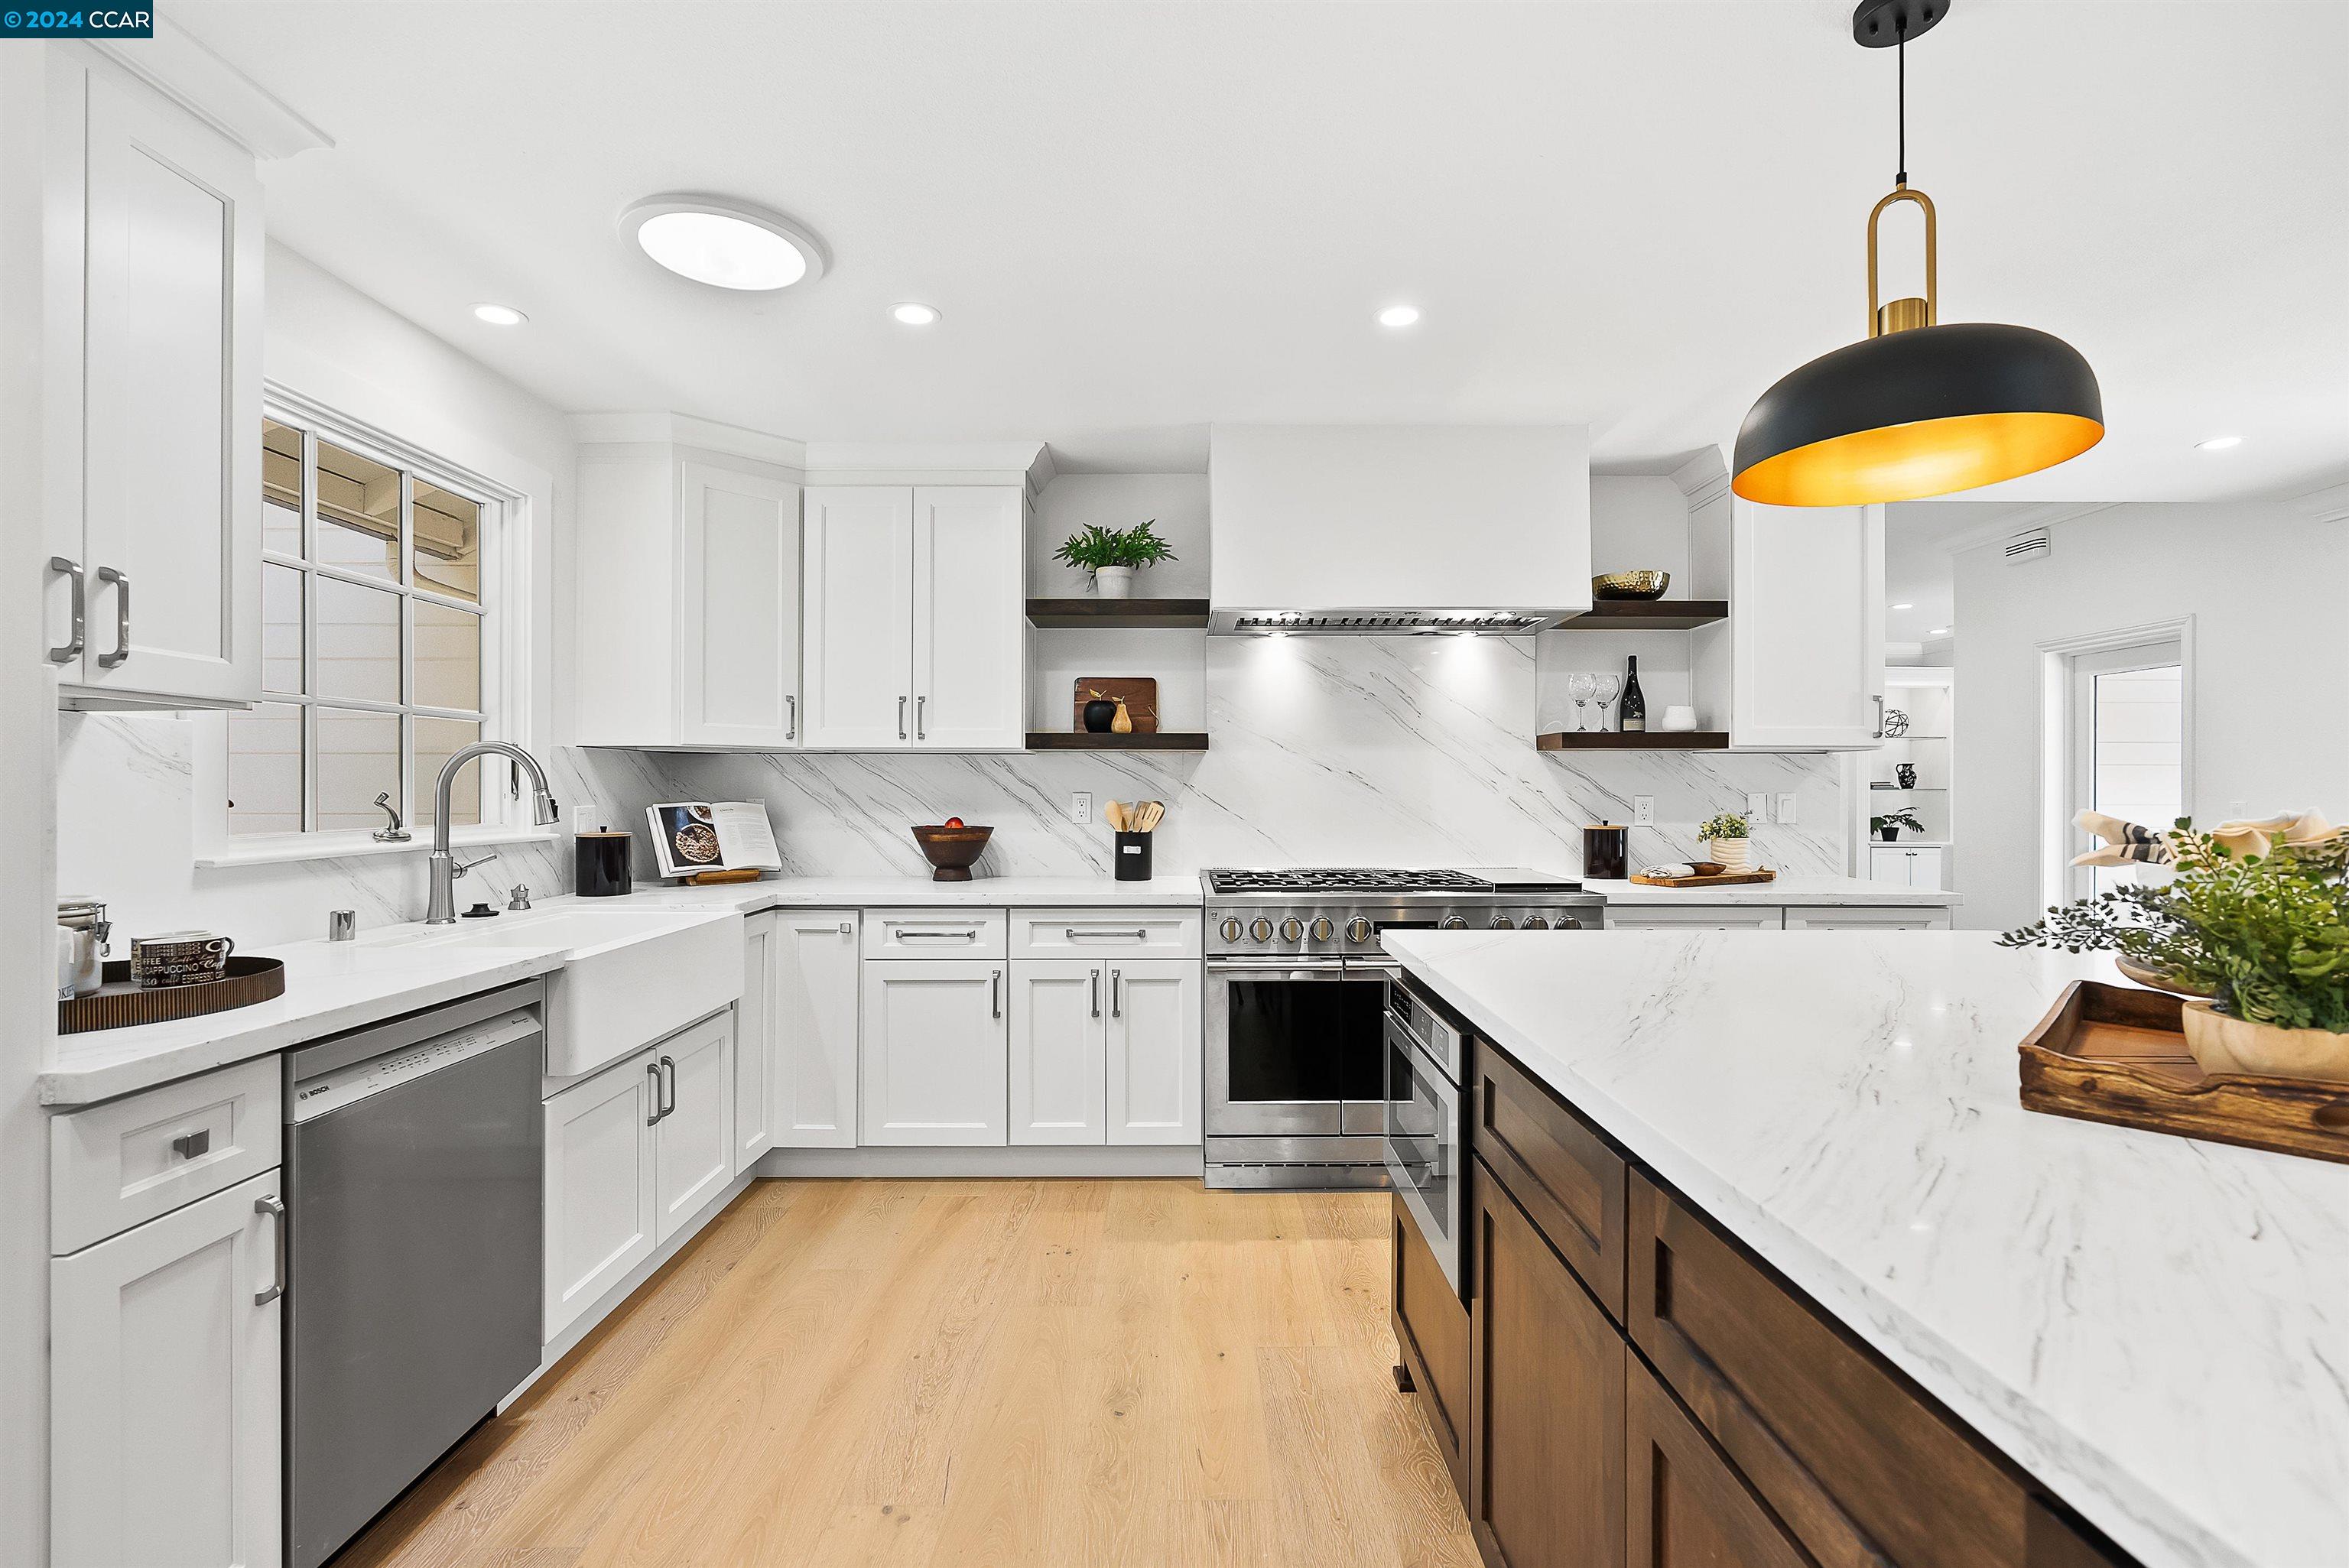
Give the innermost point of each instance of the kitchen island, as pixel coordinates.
(2155, 1331)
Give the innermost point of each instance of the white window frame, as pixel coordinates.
(2061, 763)
(505, 713)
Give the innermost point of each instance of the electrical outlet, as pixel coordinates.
(1644, 810)
(583, 815)
(1786, 806)
(1757, 809)
(1081, 806)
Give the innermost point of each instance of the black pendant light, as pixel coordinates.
(1916, 408)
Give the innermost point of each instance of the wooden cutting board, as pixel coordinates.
(1725, 879)
(1141, 694)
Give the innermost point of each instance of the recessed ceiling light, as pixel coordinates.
(1904, 606)
(725, 243)
(1398, 316)
(2217, 443)
(1939, 631)
(914, 314)
(499, 314)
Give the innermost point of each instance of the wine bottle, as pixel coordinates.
(1633, 719)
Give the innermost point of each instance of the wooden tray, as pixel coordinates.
(1723, 879)
(118, 1003)
(2112, 1054)
(1141, 694)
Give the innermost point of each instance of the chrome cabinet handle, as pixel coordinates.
(995, 994)
(1879, 718)
(668, 1077)
(121, 581)
(1076, 932)
(654, 1119)
(1096, 992)
(791, 730)
(901, 718)
(969, 934)
(74, 642)
(921, 725)
(1117, 993)
(276, 1211)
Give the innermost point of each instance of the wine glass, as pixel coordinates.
(1604, 688)
(1582, 688)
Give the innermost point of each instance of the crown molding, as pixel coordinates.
(2330, 504)
(661, 428)
(1703, 477)
(176, 65)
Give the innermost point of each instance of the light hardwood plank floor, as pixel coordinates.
(960, 1374)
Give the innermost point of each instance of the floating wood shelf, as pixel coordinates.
(1647, 616)
(1114, 614)
(1085, 740)
(1615, 740)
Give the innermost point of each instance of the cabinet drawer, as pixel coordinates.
(1560, 1171)
(934, 933)
(1867, 917)
(1431, 1329)
(1086, 932)
(1695, 917)
(121, 1164)
(1853, 1460)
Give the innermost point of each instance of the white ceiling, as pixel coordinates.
(1139, 219)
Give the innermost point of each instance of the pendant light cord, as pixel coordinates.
(1900, 54)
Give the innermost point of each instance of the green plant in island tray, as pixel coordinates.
(1095, 547)
(1727, 825)
(2266, 936)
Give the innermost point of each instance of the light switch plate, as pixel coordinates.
(1786, 806)
(1757, 808)
(1644, 810)
(1081, 806)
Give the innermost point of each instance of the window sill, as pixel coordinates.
(262, 852)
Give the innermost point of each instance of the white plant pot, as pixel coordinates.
(1113, 581)
(1730, 852)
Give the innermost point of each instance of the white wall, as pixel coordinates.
(2264, 582)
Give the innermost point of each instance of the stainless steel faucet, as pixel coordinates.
(446, 868)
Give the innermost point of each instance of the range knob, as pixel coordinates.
(1570, 923)
(1292, 930)
(1260, 929)
(1322, 928)
(1230, 930)
(1358, 928)
(1453, 923)
(1502, 922)
(1535, 922)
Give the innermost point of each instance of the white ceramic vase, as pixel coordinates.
(1730, 852)
(2225, 1045)
(1113, 581)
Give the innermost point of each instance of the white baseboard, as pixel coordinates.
(1077, 1160)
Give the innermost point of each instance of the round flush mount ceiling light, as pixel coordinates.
(725, 243)
(1904, 606)
(2219, 444)
(913, 313)
(499, 314)
(1398, 316)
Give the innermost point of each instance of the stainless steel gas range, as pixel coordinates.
(1295, 1063)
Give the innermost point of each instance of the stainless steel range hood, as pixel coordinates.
(1370, 531)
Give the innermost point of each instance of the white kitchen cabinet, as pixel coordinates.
(155, 279)
(1807, 627)
(933, 1065)
(1910, 865)
(1153, 1050)
(689, 599)
(163, 1395)
(693, 1142)
(1867, 917)
(600, 1217)
(1694, 917)
(916, 617)
(756, 1042)
(1059, 1055)
(814, 1016)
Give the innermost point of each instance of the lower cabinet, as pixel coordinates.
(1867, 917)
(933, 1065)
(164, 1412)
(1694, 917)
(1105, 1050)
(758, 1043)
(600, 1214)
(812, 1027)
(693, 1141)
(1431, 1330)
(1687, 1507)
(1153, 1078)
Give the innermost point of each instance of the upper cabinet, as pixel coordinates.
(1807, 626)
(917, 622)
(689, 599)
(152, 387)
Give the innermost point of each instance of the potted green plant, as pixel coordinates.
(1726, 839)
(1113, 554)
(1887, 826)
(2259, 942)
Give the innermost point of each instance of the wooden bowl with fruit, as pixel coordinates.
(951, 847)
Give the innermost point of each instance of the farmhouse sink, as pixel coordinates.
(629, 977)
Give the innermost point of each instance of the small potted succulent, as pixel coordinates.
(1726, 837)
(1113, 554)
(1887, 826)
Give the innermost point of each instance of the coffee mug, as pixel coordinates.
(1679, 720)
(179, 958)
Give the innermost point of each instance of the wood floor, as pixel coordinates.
(950, 1373)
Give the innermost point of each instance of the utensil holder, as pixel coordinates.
(1132, 857)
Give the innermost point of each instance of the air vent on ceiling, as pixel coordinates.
(2032, 545)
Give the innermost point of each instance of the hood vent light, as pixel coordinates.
(1387, 623)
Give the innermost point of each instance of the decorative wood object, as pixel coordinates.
(1637, 740)
(2111, 1054)
(1722, 879)
(1115, 614)
(713, 879)
(1140, 692)
(120, 1002)
(1080, 740)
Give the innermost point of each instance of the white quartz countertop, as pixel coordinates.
(1787, 890)
(2156, 1328)
(885, 893)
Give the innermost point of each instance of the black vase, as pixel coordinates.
(1905, 775)
(1100, 714)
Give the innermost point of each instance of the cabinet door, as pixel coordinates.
(599, 1186)
(815, 1004)
(1889, 865)
(970, 638)
(1807, 626)
(693, 1152)
(1687, 1507)
(163, 1408)
(1059, 1011)
(1431, 1329)
(172, 367)
(737, 613)
(1546, 1461)
(933, 1065)
(755, 1042)
(1153, 1050)
(859, 617)
(1694, 917)
(1867, 917)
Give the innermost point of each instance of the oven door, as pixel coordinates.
(1289, 1045)
(1424, 1147)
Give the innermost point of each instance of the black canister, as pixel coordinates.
(1133, 857)
(602, 869)
(1603, 852)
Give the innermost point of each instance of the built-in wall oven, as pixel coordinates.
(1426, 1131)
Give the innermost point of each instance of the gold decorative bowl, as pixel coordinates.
(1631, 585)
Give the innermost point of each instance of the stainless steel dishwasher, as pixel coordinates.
(415, 1170)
